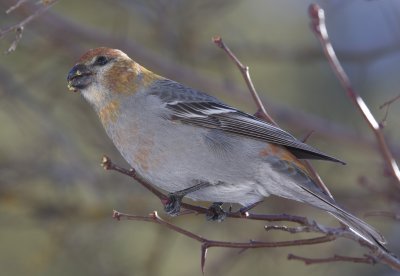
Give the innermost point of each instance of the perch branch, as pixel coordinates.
(329, 233)
(206, 243)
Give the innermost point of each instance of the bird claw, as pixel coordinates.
(173, 205)
(215, 212)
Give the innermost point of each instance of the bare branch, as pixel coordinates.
(326, 128)
(307, 136)
(206, 243)
(16, 6)
(387, 105)
(19, 27)
(261, 111)
(382, 214)
(317, 17)
(245, 71)
(14, 44)
(107, 164)
(329, 233)
(336, 258)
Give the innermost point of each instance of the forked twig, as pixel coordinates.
(328, 233)
(206, 243)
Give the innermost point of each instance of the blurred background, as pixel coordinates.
(56, 201)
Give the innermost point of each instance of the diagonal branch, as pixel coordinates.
(245, 71)
(317, 17)
(261, 111)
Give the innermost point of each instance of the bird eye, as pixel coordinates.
(101, 60)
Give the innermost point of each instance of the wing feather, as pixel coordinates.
(217, 115)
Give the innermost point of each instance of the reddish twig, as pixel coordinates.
(206, 243)
(245, 71)
(107, 164)
(336, 258)
(261, 111)
(318, 26)
(306, 225)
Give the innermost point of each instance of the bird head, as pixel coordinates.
(103, 75)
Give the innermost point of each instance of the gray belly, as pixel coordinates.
(183, 155)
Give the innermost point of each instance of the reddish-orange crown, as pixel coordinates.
(102, 51)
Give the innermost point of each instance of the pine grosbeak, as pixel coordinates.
(191, 144)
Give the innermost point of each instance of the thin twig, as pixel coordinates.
(107, 164)
(245, 71)
(14, 44)
(308, 226)
(261, 111)
(206, 243)
(16, 6)
(20, 26)
(313, 172)
(387, 105)
(382, 214)
(336, 258)
(389, 102)
(307, 136)
(328, 129)
(317, 17)
(292, 230)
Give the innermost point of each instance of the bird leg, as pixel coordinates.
(215, 212)
(173, 205)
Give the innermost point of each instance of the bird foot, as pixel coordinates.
(173, 205)
(215, 212)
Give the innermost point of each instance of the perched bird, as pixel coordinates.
(192, 145)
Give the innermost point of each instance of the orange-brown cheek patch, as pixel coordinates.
(121, 79)
(109, 113)
(128, 77)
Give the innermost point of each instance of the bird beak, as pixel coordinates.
(79, 77)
